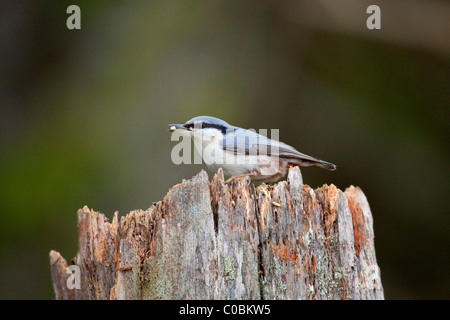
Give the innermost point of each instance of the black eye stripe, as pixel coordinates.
(216, 126)
(207, 125)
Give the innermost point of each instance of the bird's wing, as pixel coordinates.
(247, 142)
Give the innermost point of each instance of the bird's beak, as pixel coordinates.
(174, 127)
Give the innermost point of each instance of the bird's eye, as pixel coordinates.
(189, 125)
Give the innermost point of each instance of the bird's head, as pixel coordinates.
(204, 128)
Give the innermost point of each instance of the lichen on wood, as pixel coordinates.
(212, 240)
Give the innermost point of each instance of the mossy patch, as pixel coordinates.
(230, 271)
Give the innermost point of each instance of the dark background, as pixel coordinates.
(84, 114)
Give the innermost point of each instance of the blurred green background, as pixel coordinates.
(84, 114)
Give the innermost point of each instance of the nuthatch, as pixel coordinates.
(241, 152)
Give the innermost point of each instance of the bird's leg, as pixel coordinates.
(233, 178)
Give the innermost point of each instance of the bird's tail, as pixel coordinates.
(311, 162)
(326, 165)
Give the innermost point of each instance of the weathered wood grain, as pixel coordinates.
(212, 240)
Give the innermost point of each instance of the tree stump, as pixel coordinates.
(211, 240)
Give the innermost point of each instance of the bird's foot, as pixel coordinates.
(234, 178)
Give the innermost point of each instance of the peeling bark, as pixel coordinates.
(211, 240)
